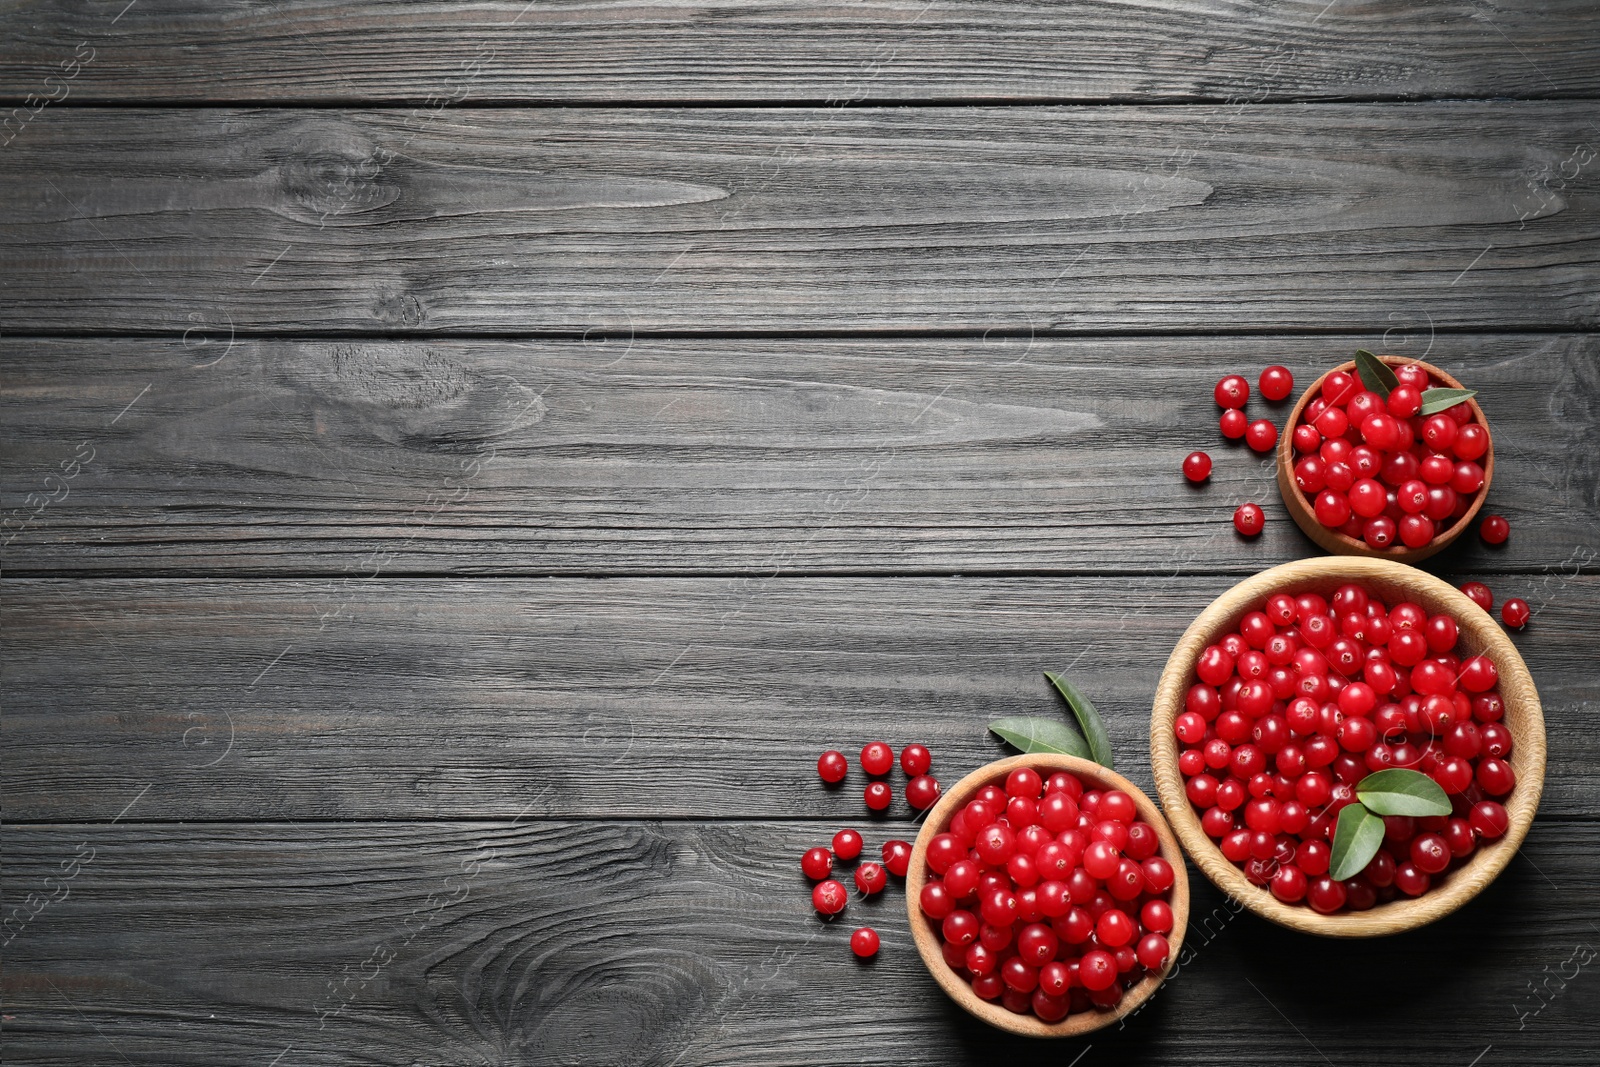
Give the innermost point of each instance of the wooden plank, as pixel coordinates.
(694, 944)
(677, 456)
(179, 51)
(1173, 219)
(600, 698)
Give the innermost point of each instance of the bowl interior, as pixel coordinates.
(1303, 513)
(1479, 633)
(925, 931)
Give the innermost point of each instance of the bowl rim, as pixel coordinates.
(1300, 509)
(1479, 631)
(927, 942)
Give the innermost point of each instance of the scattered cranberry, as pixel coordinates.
(847, 844)
(1232, 392)
(1515, 613)
(922, 792)
(817, 863)
(878, 796)
(864, 942)
(832, 766)
(829, 897)
(1305, 698)
(1248, 519)
(877, 759)
(897, 857)
(1261, 435)
(1233, 424)
(1494, 529)
(1479, 595)
(916, 760)
(1197, 466)
(1276, 383)
(870, 878)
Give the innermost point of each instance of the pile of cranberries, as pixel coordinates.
(829, 895)
(1306, 698)
(1049, 897)
(1378, 470)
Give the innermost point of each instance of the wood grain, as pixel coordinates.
(1137, 219)
(415, 698)
(655, 943)
(185, 51)
(301, 458)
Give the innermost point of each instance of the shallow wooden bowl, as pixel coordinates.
(925, 931)
(1305, 517)
(1394, 582)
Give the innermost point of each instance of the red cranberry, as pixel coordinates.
(832, 766)
(1233, 424)
(897, 857)
(921, 792)
(1479, 594)
(864, 942)
(829, 897)
(817, 863)
(1515, 613)
(877, 759)
(1197, 466)
(878, 796)
(1249, 519)
(1276, 382)
(1494, 529)
(1261, 435)
(916, 760)
(870, 878)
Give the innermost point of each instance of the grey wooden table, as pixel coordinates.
(463, 462)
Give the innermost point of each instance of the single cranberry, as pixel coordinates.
(1439, 431)
(1460, 838)
(960, 927)
(1275, 382)
(1158, 874)
(897, 857)
(1261, 435)
(829, 897)
(847, 844)
(870, 878)
(1233, 424)
(1415, 530)
(1404, 401)
(1380, 870)
(832, 766)
(1288, 884)
(878, 796)
(1018, 975)
(1232, 392)
(936, 901)
(1496, 776)
(877, 759)
(1024, 782)
(1325, 895)
(1307, 438)
(921, 792)
(864, 942)
(1249, 519)
(1313, 857)
(1515, 613)
(1333, 422)
(1429, 853)
(916, 760)
(1494, 529)
(1097, 969)
(1489, 819)
(1467, 479)
(1411, 880)
(1479, 594)
(1197, 466)
(944, 850)
(817, 863)
(1332, 508)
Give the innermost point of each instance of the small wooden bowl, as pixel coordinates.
(926, 932)
(1342, 544)
(1479, 633)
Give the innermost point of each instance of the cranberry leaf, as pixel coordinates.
(1356, 839)
(1399, 791)
(1040, 735)
(1094, 730)
(1436, 400)
(1375, 373)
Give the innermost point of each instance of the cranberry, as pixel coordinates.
(1332, 507)
(832, 766)
(878, 796)
(1429, 853)
(1097, 969)
(921, 792)
(847, 844)
(829, 897)
(1232, 392)
(1404, 401)
(995, 843)
(1515, 613)
(936, 901)
(870, 878)
(1248, 519)
(1489, 819)
(1197, 466)
(916, 760)
(1496, 776)
(864, 942)
(1261, 435)
(1288, 884)
(1275, 382)
(897, 857)
(817, 863)
(1233, 424)
(1307, 438)
(1479, 594)
(1325, 895)
(1411, 880)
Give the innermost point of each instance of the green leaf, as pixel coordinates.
(1398, 791)
(1088, 720)
(1375, 373)
(1436, 400)
(1356, 839)
(1040, 735)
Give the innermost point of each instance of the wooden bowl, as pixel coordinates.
(1342, 544)
(1479, 633)
(925, 931)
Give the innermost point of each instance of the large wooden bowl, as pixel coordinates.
(925, 931)
(1479, 633)
(1300, 509)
